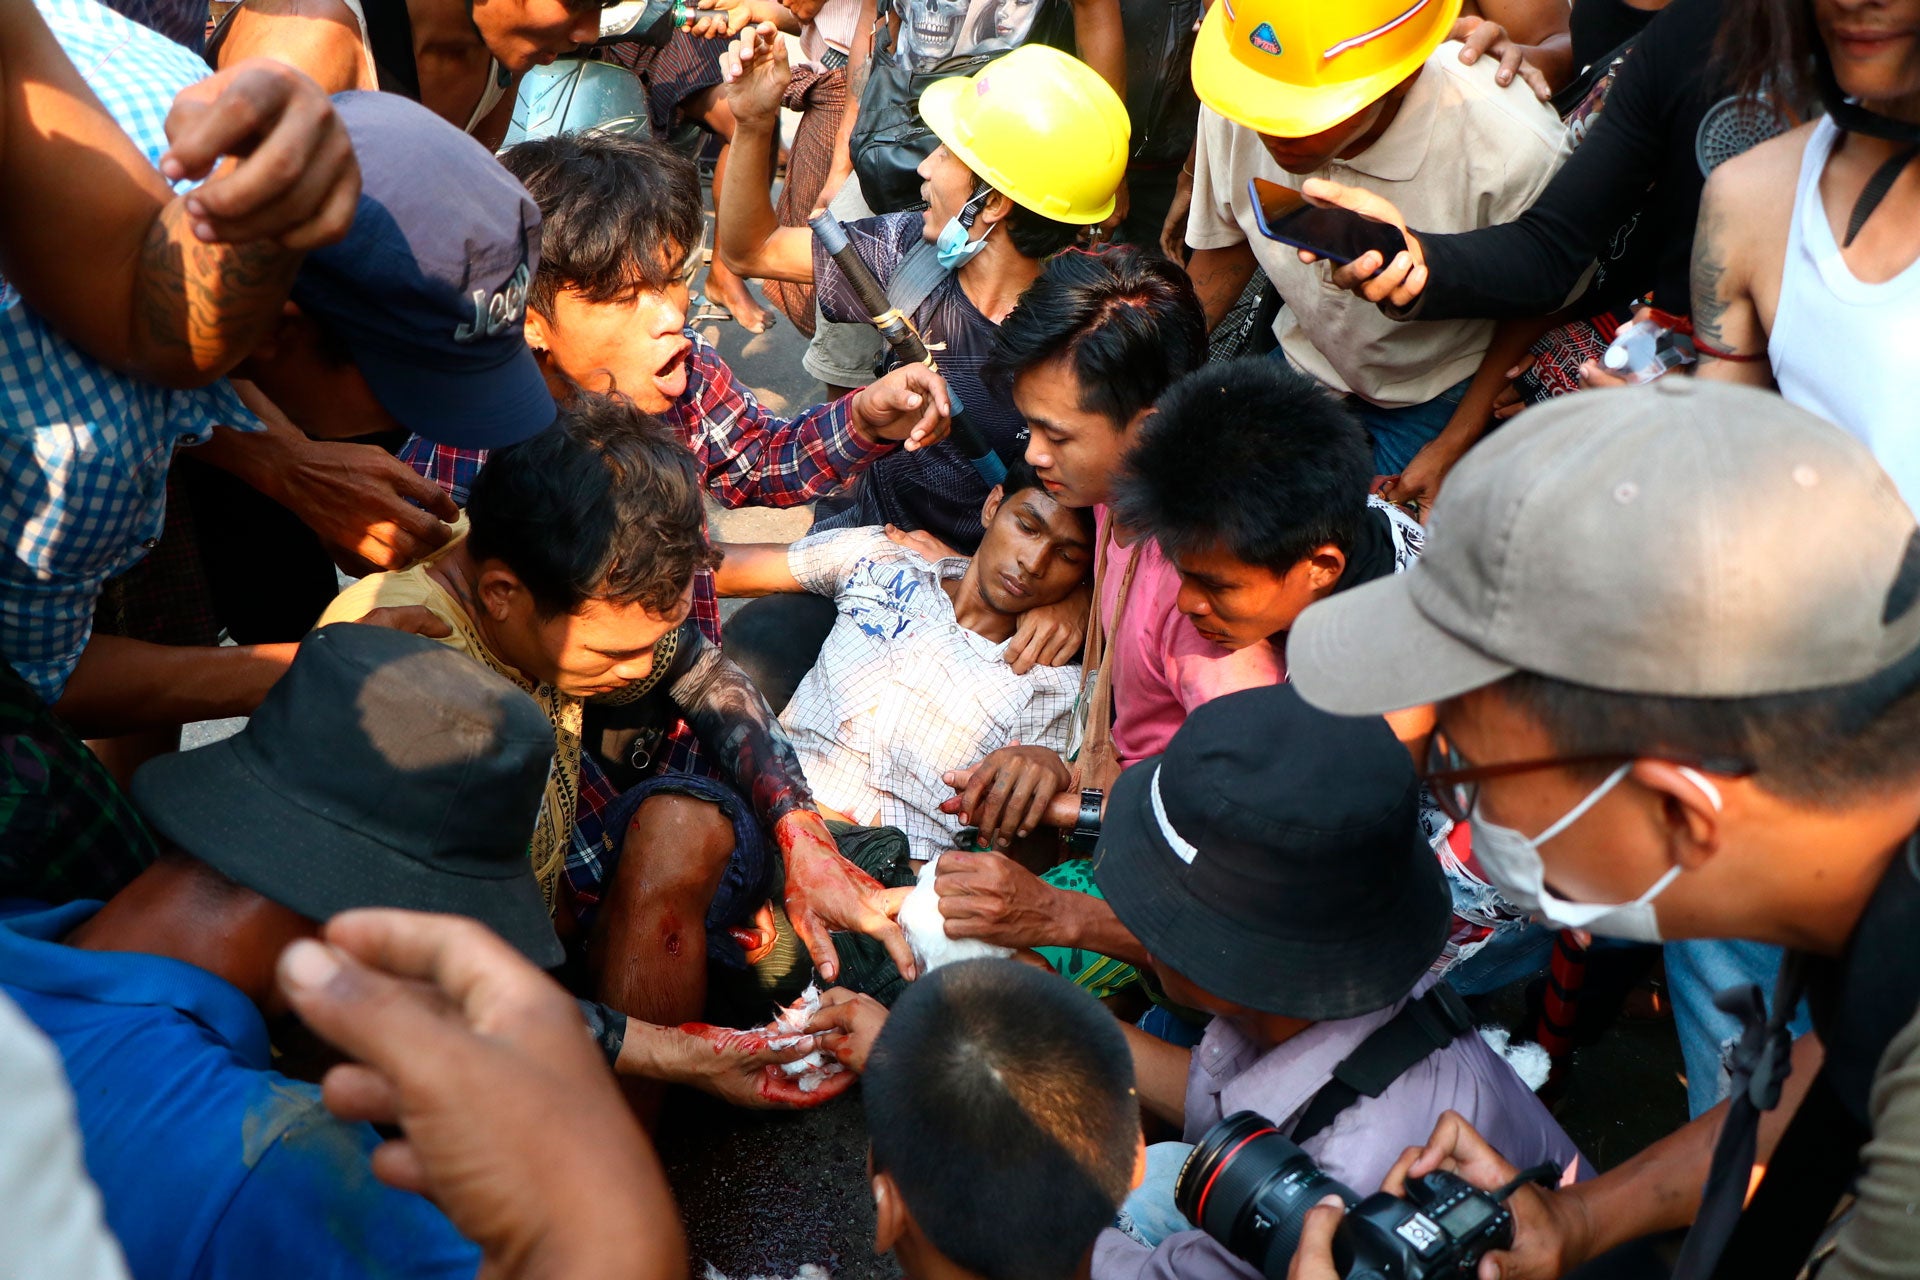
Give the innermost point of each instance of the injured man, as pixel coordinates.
(913, 680)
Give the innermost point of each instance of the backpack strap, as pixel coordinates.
(1420, 1029)
(915, 279)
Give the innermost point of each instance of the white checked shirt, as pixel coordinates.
(84, 450)
(902, 692)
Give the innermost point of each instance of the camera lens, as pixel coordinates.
(1249, 1187)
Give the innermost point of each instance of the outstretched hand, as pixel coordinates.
(293, 179)
(911, 404)
(756, 72)
(1371, 276)
(1484, 38)
(825, 893)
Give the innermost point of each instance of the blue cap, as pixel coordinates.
(429, 289)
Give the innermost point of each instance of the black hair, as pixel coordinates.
(1021, 477)
(1129, 322)
(997, 1083)
(617, 214)
(1250, 457)
(1770, 49)
(1823, 748)
(1037, 236)
(603, 505)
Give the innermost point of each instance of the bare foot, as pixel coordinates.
(728, 290)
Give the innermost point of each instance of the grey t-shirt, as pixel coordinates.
(1881, 1237)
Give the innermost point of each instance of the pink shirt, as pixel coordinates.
(1162, 667)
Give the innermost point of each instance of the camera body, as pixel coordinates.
(1249, 1186)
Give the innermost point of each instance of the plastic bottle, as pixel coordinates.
(1644, 350)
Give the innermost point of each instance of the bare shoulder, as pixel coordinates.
(1760, 181)
(321, 37)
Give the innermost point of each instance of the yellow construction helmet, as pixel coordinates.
(1294, 68)
(1040, 127)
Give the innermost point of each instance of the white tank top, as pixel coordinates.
(1847, 350)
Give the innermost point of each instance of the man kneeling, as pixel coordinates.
(573, 579)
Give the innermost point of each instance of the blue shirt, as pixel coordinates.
(210, 1163)
(84, 450)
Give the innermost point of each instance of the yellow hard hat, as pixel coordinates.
(1294, 68)
(1040, 127)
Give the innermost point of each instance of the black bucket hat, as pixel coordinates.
(383, 770)
(1273, 856)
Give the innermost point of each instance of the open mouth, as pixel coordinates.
(671, 376)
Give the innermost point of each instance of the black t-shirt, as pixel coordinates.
(1598, 27)
(934, 489)
(1628, 196)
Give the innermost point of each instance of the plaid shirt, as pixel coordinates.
(902, 692)
(84, 451)
(748, 457)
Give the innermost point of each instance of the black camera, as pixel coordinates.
(1249, 1186)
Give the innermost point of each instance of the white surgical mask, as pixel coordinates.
(1512, 862)
(953, 248)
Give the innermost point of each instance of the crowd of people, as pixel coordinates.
(1314, 583)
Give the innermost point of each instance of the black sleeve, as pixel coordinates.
(1528, 267)
(734, 722)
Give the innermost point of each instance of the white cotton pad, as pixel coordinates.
(788, 1025)
(926, 928)
(1529, 1061)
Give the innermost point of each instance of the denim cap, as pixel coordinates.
(429, 289)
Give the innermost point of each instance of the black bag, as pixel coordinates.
(889, 137)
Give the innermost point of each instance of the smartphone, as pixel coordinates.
(1339, 235)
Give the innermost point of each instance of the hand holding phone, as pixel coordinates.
(1338, 235)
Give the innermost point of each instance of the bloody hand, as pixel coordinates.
(825, 892)
(743, 1068)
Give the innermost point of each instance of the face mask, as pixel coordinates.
(953, 248)
(1512, 861)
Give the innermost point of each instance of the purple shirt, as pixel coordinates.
(1230, 1073)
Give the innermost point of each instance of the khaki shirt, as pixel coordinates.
(1462, 154)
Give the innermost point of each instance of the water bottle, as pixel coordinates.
(1644, 350)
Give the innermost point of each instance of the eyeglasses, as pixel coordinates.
(1455, 784)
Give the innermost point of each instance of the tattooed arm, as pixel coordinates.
(824, 892)
(153, 295)
(1727, 326)
(1219, 276)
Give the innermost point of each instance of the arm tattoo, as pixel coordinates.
(1709, 274)
(216, 302)
(734, 721)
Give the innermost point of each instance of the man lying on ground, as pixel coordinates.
(913, 680)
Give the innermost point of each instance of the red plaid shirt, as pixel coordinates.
(749, 457)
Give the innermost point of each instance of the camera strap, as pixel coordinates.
(1421, 1028)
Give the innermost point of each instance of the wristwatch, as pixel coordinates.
(1087, 825)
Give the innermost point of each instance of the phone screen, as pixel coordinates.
(1339, 235)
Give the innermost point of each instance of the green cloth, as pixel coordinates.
(67, 830)
(1102, 975)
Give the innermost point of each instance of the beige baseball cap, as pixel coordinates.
(1685, 539)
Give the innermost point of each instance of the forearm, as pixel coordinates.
(261, 459)
(653, 1052)
(747, 231)
(749, 569)
(734, 722)
(1219, 277)
(122, 685)
(778, 14)
(1160, 1074)
(1659, 1189)
(1089, 923)
(758, 459)
(1511, 338)
(1100, 40)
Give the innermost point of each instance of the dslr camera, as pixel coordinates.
(1249, 1186)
